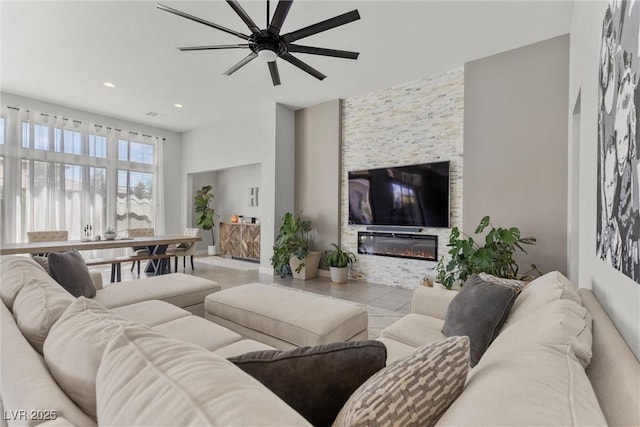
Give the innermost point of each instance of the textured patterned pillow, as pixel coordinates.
(42, 262)
(413, 391)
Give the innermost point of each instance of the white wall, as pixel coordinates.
(257, 136)
(232, 191)
(171, 148)
(619, 295)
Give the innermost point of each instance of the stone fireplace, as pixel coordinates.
(398, 245)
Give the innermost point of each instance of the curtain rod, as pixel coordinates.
(80, 122)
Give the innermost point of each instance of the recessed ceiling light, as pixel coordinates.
(107, 84)
(178, 105)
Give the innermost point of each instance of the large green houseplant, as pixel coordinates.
(495, 257)
(205, 215)
(291, 248)
(338, 261)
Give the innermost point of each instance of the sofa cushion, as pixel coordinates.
(181, 290)
(74, 348)
(396, 350)
(14, 273)
(541, 291)
(148, 379)
(151, 313)
(241, 347)
(538, 385)
(561, 322)
(70, 270)
(415, 330)
(37, 307)
(413, 391)
(196, 330)
(478, 311)
(42, 261)
(315, 381)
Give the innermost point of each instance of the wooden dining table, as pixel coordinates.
(156, 245)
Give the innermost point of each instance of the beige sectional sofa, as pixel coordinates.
(534, 371)
(127, 374)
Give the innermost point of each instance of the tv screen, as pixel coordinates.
(415, 195)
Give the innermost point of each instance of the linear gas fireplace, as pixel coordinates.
(399, 245)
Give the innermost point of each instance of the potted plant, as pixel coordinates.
(205, 215)
(338, 261)
(110, 233)
(495, 257)
(291, 249)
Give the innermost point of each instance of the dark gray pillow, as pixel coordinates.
(478, 311)
(316, 381)
(71, 272)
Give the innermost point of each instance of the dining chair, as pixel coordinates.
(47, 236)
(139, 250)
(185, 249)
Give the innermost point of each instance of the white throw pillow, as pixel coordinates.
(561, 322)
(15, 272)
(75, 346)
(37, 307)
(148, 379)
(539, 292)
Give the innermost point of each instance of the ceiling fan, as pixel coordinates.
(269, 44)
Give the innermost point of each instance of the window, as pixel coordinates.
(134, 207)
(135, 152)
(63, 177)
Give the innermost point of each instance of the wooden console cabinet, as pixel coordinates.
(240, 240)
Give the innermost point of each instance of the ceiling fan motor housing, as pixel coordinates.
(266, 41)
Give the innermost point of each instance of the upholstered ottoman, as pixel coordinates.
(286, 318)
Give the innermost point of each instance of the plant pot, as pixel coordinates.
(212, 249)
(339, 274)
(310, 268)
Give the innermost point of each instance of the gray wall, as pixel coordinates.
(317, 192)
(515, 146)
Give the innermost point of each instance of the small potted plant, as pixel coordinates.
(338, 261)
(291, 249)
(110, 233)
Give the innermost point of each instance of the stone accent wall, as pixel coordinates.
(416, 122)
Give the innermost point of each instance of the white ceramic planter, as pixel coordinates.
(212, 249)
(339, 274)
(310, 268)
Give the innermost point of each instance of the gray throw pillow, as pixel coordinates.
(316, 381)
(71, 272)
(478, 311)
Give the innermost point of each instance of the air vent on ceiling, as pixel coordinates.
(154, 114)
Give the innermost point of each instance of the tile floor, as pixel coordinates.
(381, 296)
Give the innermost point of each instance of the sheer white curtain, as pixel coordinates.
(60, 173)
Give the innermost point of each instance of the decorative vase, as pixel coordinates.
(109, 236)
(310, 268)
(339, 274)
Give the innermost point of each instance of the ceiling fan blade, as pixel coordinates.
(220, 46)
(322, 51)
(244, 16)
(279, 16)
(334, 22)
(303, 66)
(244, 61)
(201, 21)
(275, 75)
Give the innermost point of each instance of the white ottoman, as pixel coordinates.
(286, 318)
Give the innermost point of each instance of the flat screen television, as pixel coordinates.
(414, 195)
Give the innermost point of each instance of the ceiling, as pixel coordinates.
(63, 51)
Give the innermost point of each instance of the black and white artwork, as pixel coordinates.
(618, 222)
